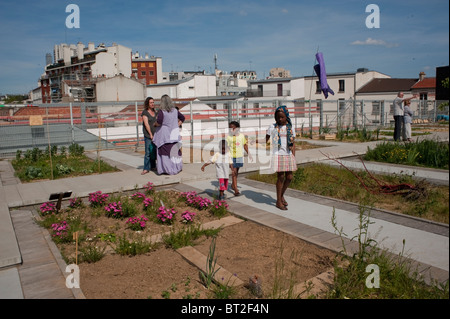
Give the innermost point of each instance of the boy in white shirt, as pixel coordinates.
(222, 161)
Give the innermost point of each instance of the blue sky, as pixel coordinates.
(257, 34)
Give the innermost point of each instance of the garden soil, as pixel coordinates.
(245, 249)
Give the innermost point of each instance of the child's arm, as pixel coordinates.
(204, 165)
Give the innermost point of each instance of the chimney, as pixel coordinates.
(421, 76)
(91, 46)
(80, 51)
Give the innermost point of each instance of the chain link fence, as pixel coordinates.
(115, 125)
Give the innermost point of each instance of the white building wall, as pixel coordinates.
(199, 85)
(117, 60)
(119, 88)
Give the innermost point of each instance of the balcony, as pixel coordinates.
(267, 93)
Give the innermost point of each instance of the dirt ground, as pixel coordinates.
(245, 249)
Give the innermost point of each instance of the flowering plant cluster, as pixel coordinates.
(166, 215)
(114, 210)
(193, 200)
(137, 223)
(48, 208)
(75, 202)
(187, 217)
(149, 188)
(219, 208)
(139, 197)
(60, 230)
(97, 198)
(147, 202)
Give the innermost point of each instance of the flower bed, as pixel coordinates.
(107, 221)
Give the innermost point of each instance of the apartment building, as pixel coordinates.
(76, 69)
(147, 68)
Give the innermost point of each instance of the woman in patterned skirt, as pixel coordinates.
(283, 149)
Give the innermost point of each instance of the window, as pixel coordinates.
(143, 73)
(376, 107)
(151, 73)
(280, 89)
(318, 89)
(341, 85)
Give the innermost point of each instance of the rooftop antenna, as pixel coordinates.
(215, 62)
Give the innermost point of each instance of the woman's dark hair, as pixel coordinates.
(235, 123)
(147, 100)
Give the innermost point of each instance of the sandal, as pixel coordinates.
(144, 172)
(284, 202)
(281, 207)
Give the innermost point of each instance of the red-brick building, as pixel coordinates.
(147, 69)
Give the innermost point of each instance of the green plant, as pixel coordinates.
(223, 290)
(92, 253)
(33, 172)
(18, 155)
(219, 208)
(108, 237)
(186, 236)
(397, 277)
(64, 169)
(211, 262)
(76, 150)
(136, 246)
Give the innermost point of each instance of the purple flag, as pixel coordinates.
(322, 74)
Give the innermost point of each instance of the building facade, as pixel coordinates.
(148, 69)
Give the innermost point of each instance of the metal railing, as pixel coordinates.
(112, 125)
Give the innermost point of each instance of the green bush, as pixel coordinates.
(428, 153)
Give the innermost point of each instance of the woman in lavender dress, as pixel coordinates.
(167, 138)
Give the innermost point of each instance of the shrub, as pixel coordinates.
(97, 198)
(76, 150)
(60, 231)
(48, 208)
(75, 202)
(187, 217)
(137, 223)
(114, 210)
(219, 208)
(193, 200)
(166, 215)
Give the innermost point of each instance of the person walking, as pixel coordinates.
(222, 161)
(167, 138)
(282, 140)
(148, 120)
(237, 143)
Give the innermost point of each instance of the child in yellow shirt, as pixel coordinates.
(237, 143)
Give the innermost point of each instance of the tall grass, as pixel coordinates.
(397, 278)
(428, 153)
(428, 201)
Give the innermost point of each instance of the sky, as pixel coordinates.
(412, 36)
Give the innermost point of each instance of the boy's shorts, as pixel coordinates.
(238, 162)
(223, 184)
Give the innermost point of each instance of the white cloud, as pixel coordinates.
(370, 41)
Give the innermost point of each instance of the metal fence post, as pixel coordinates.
(137, 125)
(71, 123)
(192, 123)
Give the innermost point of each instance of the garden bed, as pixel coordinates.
(136, 265)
